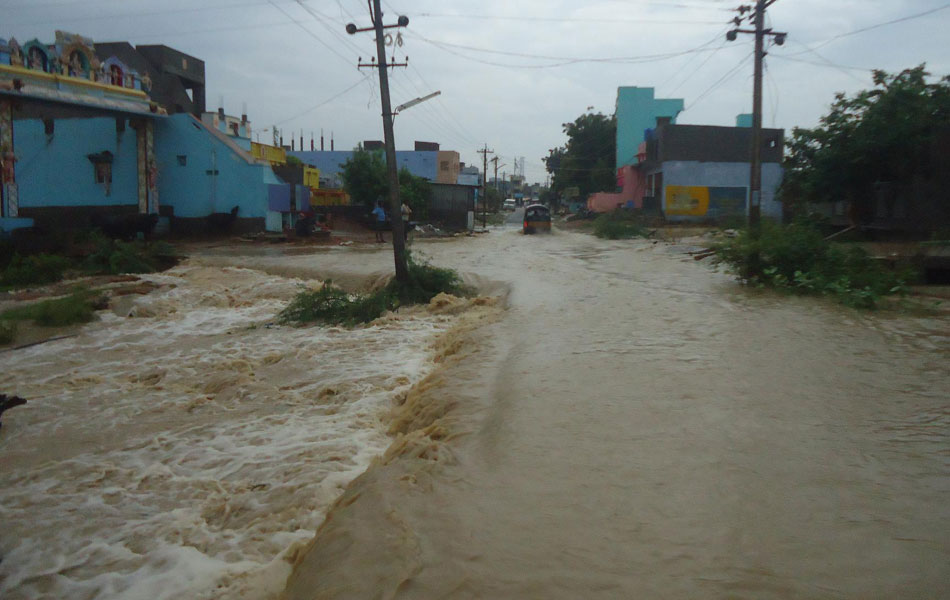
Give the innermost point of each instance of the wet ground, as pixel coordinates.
(634, 425)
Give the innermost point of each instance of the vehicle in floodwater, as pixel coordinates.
(537, 218)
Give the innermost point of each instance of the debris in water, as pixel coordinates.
(8, 402)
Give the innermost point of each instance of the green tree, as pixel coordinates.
(415, 192)
(364, 177)
(885, 134)
(587, 160)
(366, 181)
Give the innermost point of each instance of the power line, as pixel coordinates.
(885, 23)
(568, 19)
(728, 75)
(327, 101)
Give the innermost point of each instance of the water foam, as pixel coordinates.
(184, 450)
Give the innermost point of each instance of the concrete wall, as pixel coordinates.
(55, 171)
(710, 143)
(450, 160)
(637, 111)
(193, 189)
(722, 175)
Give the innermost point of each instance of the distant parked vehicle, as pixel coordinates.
(537, 218)
(509, 204)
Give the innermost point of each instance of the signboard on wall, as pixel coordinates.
(705, 201)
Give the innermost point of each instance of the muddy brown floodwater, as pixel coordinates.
(638, 426)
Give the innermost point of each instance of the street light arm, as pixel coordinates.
(415, 101)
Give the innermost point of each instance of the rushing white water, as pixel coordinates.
(184, 450)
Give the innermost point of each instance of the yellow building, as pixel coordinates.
(272, 154)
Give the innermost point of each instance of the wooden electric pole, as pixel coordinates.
(395, 207)
(755, 170)
(485, 152)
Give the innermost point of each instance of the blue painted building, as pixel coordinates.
(79, 137)
(638, 110)
(330, 162)
(202, 171)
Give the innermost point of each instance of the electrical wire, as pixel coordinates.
(325, 102)
(728, 75)
(885, 23)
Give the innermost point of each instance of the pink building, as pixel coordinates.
(632, 186)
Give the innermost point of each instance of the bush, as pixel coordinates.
(115, 257)
(33, 270)
(425, 283)
(7, 333)
(332, 305)
(78, 307)
(619, 224)
(797, 258)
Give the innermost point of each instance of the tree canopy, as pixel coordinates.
(365, 180)
(885, 134)
(587, 160)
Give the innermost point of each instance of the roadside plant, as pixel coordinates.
(619, 224)
(7, 333)
(797, 258)
(38, 269)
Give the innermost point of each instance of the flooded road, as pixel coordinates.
(634, 425)
(638, 426)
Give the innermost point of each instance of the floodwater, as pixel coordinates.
(638, 426)
(635, 425)
(185, 446)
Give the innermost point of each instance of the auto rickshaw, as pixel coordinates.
(537, 218)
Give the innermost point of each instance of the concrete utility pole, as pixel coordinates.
(485, 152)
(395, 207)
(495, 160)
(755, 174)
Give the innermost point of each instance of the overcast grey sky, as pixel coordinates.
(294, 65)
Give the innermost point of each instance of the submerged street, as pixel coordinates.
(638, 425)
(631, 423)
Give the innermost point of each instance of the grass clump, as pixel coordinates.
(78, 307)
(38, 269)
(332, 305)
(619, 224)
(797, 258)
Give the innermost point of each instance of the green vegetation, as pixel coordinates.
(7, 333)
(366, 180)
(99, 256)
(114, 257)
(885, 134)
(619, 224)
(798, 259)
(332, 305)
(587, 160)
(33, 270)
(78, 307)
(294, 161)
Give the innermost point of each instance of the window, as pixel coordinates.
(182, 160)
(444, 165)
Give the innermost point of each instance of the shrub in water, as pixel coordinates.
(334, 306)
(425, 283)
(797, 258)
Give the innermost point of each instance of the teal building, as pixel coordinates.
(637, 111)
